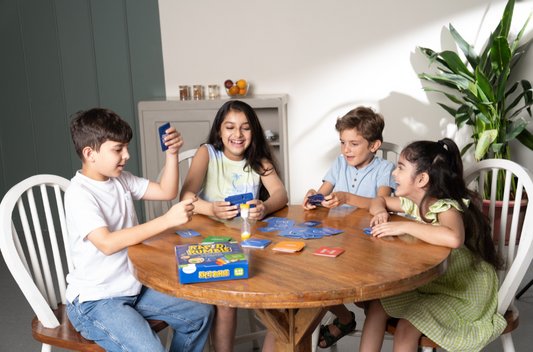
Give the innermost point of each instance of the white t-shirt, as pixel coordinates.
(89, 205)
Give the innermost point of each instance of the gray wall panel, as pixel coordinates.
(16, 125)
(78, 65)
(65, 56)
(39, 32)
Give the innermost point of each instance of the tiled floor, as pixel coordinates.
(16, 316)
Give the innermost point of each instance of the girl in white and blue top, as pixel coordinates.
(236, 159)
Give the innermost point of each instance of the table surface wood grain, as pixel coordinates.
(369, 268)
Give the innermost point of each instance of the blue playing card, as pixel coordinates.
(307, 235)
(162, 135)
(188, 233)
(368, 229)
(273, 218)
(330, 230)
(316, 199)
(309, 223)
(291, 233)
(269, 229)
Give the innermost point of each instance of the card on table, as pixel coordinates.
(163, 134)
(308, 236)
(255, 243)
(188, 233)
(269, 229)
(274, 218)
(309, 231)
(217, 239)
(309, 223)
(330, 230)
(289, 246)
(291, 233)
(368, 231)
(328, 252)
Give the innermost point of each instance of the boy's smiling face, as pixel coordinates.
(356, 149)
(106, 163)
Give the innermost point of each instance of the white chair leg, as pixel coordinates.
(253, 326)
(208, 346)
(314, 338)
(507, 342)
(170, 335)
(46, 348)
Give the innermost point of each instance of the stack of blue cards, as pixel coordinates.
(316, 199)
(255, 243)
(368, 231)
(187, 233)
(303, 230)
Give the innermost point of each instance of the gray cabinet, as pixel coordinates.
(193, 119)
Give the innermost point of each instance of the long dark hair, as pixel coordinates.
(259, 148)
(442, 162)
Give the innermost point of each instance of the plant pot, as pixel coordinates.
(497, 216)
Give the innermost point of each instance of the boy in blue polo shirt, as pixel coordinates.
(356, 177)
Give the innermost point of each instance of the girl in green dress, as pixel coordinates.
(458, 311)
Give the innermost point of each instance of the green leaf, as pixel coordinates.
(454, 62)
(514, 103)
(484, 142)
(463, 116)
(528, 93)
(484, 85)
(449, 80)
(512, 89)
(500, 88)
(507, 18)
(515, 128)
(433, 56)
(451, 97)
(519, 111)
(485, 55)
(483, 118)
(500, 55)
(465, 149)
(451, 111)
(526, 138)
(515, 43)
(497, 147)
(466, 48)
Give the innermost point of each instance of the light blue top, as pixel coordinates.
(225, 177)
(363, 182)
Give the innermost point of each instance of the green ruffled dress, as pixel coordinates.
(458, 310)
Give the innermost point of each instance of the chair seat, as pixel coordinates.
(65, 336)
(511, 316)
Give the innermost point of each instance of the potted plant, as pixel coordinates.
(485, 97)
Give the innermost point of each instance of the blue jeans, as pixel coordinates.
(119, 323)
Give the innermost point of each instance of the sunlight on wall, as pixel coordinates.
(329, 57)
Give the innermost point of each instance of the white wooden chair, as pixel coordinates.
(516, 262)
(390, 152)
(26, 252)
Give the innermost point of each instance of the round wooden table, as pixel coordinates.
(305, 285)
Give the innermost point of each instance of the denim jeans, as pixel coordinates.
(119, 323)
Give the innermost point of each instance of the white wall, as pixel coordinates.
(330, 57)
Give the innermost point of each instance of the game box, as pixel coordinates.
(204, 262)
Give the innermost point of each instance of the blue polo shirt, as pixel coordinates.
(364, 182)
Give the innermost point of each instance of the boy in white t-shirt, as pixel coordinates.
(105, 302)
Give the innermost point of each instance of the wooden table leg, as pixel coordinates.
(292, 328)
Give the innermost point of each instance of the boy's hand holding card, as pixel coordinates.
(316, 199)
(170, 138)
